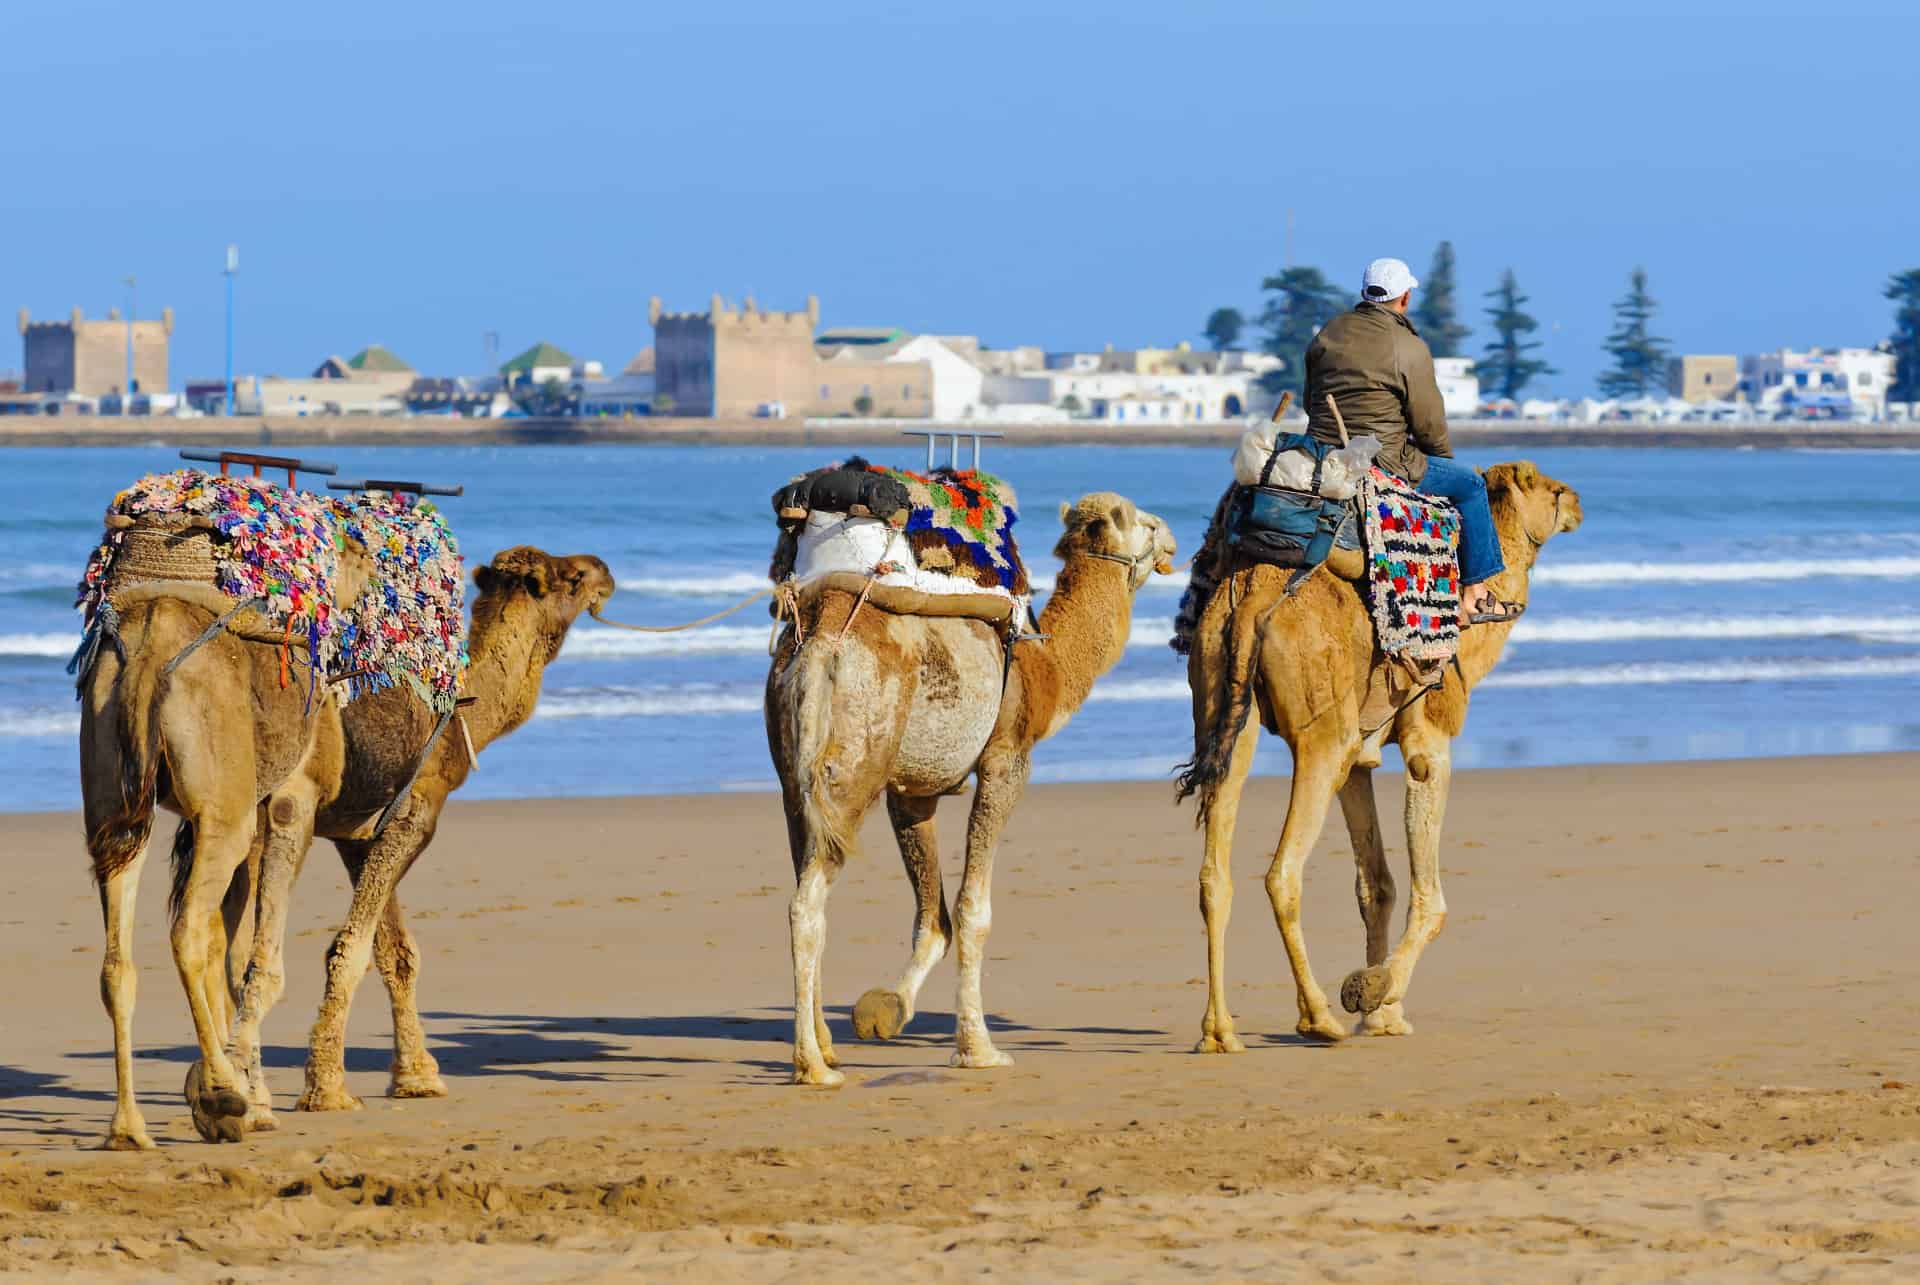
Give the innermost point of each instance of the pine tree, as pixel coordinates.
(1506, 368)
(1434, 314)
(1639, 356)
(1223, 328)
(1904, 289)
(1302, 301)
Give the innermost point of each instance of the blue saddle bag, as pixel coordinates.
(1284, 527)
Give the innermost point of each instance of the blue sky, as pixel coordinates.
(420, 172)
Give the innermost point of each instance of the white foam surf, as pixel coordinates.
(50, 645)
(1663, 673)
(1595, 629)
(651, 702)
(38, 722)
(1596, 574)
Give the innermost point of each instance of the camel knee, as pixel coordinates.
(1422, 767)
(1216, 891)
(117, 981)
(976, 919)
(1282, 888)
(1377, 894)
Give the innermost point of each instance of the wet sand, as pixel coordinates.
(1671, 1027)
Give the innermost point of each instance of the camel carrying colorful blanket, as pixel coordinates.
(1413, 570)
(283, 546)
(1411, 580)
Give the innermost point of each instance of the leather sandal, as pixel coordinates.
(1503, 613)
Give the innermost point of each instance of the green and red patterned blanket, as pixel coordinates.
(961, 521)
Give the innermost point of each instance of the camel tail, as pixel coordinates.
(1220, 718)
(123, 836)
(182, 868)
(810, 732)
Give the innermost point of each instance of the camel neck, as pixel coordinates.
(1086, 620)
(507, 658)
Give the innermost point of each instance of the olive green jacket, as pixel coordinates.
(1378, 368)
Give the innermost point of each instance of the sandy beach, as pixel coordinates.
(1670, 1028)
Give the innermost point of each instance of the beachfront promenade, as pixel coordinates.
(372, 430)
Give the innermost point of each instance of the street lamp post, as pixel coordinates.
(126, 388)
(233, 268)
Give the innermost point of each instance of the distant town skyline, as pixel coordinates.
(418, 176)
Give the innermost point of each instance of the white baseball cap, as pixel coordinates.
(1387, 279)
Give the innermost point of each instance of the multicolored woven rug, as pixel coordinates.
(283, 545)
(968, 516)
(1413, 573)
(409, 625)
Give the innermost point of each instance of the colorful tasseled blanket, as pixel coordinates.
(284, 546)
(964, 518)
(1413, 573)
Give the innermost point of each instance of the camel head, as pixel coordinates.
(1539, 505)
(1105, 525)
(557, 589)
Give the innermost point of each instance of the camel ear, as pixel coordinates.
(1517, 477)
(1123, 515)
(528, 564)
(1065, 510)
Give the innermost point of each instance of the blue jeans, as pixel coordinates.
(1479, 547)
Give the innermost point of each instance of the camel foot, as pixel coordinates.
(1325, 1029)
(821, 1077)
(260, 1120)
(125, 1139)
(1365, 989)
(983, 1060)
(327, 1098)
(218, 1114)
(1226, 1042)
(417, 1084)
(1386, 1020)
(880, 1015)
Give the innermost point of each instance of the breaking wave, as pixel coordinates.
(1615, 573)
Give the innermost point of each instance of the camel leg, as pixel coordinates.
(119, 982)
(1373, 889)
(822, 1035)
(289, 834)
(882, 1014)
(221, 841)
(387, 858)
(1314, 780)
(1380, 988)
(1216, 894)
(226, 960)
(1002, 780)
(807, 918)
(414, 1073)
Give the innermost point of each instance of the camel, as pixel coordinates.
(253, 781)
(911, 706)
(1306, 664)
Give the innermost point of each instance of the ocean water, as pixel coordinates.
(1716, 604)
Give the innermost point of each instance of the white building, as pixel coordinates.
(958, 384)
(1080, 390)
(1787, 381)
(1459, 386)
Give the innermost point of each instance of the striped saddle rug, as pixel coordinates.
(1413, 569)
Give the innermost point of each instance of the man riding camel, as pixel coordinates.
(1375, 365)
